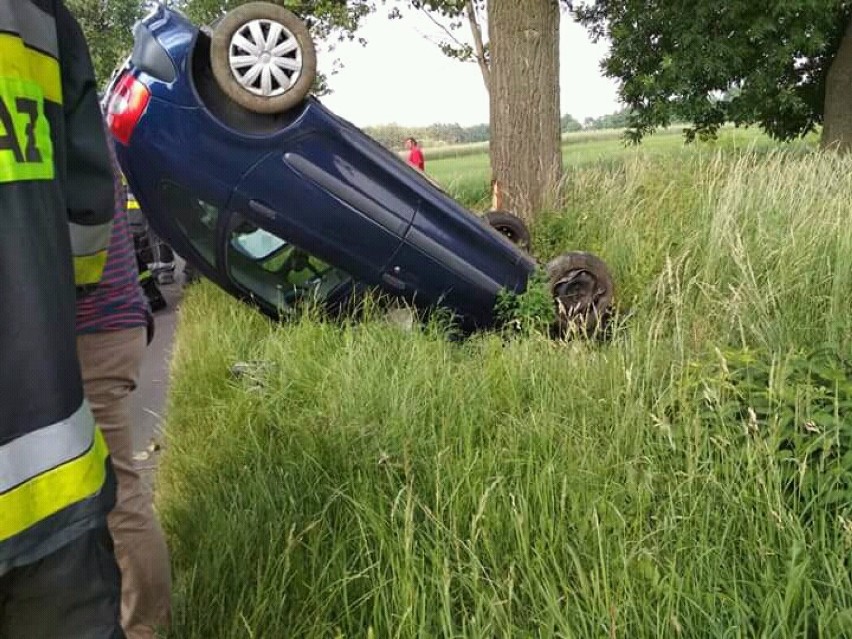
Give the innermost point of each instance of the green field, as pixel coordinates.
(466, 171)
(690, 477)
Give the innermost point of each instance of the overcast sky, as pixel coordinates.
(401, 77)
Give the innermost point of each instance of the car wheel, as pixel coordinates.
(510, 226)
(583, 290)
(263, 57)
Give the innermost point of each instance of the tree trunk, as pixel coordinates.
(526, 153)
(837, 114)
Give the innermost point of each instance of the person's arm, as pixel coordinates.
(89, 189)
(416, 159)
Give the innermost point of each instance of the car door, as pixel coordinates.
(322, 194)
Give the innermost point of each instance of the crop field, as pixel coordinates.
(689, 477)
(465, 170)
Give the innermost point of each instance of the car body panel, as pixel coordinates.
(218, 183)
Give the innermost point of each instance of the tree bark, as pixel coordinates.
(837, 113)
(526, 153)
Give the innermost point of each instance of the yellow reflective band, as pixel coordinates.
(50, 492)
(88, 269)
(27, 79)
(133, 205)
(19, 61)
(26, 150)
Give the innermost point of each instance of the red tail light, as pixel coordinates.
(126, 105)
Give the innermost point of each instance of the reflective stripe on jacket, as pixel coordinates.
(56, 205)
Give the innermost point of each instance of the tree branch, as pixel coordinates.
(443, 27)
(479, 46)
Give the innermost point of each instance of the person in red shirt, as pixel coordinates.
(415, 154)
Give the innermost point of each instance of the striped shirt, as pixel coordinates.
(118, 302)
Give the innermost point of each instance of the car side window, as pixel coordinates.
(196, 218)
(276, 271)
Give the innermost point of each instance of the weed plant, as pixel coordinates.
(687, 478)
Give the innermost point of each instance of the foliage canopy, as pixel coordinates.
(708, 62)
(108, 24)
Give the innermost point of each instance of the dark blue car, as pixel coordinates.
(276, 199)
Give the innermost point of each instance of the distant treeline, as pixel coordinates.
(617, 120)
(394, 135)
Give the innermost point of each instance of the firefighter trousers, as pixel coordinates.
(73, 593)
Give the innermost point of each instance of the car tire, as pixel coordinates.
(510, 226)
(245, 63)
(583, 290)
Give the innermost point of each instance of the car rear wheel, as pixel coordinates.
(263, 58)
(510, 226)
(583, 290)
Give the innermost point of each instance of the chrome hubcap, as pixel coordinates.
(265, 58)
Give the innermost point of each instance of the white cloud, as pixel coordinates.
(401, 76)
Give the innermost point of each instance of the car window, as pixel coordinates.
(196, 218)
(257, 245)
(276, 271)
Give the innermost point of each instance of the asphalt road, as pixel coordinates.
(149, 399)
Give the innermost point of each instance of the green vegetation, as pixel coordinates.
(533, 311)
(108, 27)
(784, 66)
(618, 120)
(438, 135)
(465, 170)
(445, 140)
(689, 477)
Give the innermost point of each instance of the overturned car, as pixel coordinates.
(277, 200)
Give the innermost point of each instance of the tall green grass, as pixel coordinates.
(360, 480)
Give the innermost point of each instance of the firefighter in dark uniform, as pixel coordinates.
(58, 576)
